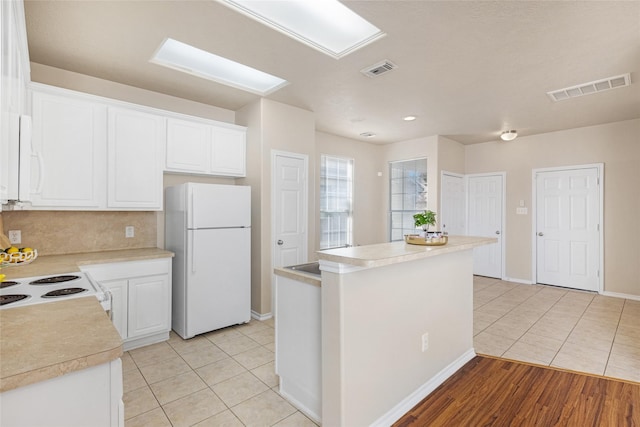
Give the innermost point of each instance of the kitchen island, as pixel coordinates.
(396, 320)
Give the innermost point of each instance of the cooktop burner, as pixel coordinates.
(63, 292)
(54, 279)
(8, 283)
(8, 299)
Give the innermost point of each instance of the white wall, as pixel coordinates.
(617, 145)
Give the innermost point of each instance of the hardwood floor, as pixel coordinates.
(498, 392)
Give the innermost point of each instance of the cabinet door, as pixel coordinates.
(68, 152)
(188, 146)
(119, 303)
(135, 151)
(228, 150)
(149, 305)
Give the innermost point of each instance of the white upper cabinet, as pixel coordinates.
(188, 146)
(205, 147)
(95, 153)
(14, 75)
(135, 151)
(228, 152)
(68, 167)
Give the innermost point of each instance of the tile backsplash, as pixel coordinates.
(66, 232)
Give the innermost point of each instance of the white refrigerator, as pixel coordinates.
(208, 228)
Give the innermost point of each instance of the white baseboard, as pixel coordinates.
(619, 295)
(524, 282)
(414, 398)
(258, 316)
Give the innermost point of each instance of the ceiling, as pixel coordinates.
(467, 69)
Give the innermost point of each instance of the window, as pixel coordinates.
(336, 202)
(408, 195)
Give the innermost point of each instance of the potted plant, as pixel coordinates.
(425, 219)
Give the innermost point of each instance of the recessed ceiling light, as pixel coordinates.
(188, 59)
(326, 25)
(409, 118)
(509, 135)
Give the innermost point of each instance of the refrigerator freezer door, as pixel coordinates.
(218, 206)
(218, 291)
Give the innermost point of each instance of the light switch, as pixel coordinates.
(521, 203)
(522, 211)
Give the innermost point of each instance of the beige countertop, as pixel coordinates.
(392, 253)
(300, 276)
(43, 341)
(58, 264)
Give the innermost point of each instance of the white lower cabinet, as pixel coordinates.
(87, 397)
(141, 299)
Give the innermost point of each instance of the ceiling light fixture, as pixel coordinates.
(368, 134)
(409, 118)
(509, 135)
(188, 59)
(326, 25)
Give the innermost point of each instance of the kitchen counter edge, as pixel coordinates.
(46, 265)
(382, 254)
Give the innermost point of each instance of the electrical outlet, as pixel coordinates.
(425, 341)
(129, 231)
(15, 237)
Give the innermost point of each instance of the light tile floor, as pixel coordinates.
(563, 328)
(226, 377)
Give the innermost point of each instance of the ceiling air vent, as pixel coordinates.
(591, 87)
(379, 69)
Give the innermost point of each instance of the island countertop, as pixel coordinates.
(382, 254)
(43, 341)
(69, 263)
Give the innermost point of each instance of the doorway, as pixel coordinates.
(486, 218)
(453, 204)
(289, 208)
(567, 227)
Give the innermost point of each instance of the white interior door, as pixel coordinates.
(567, 228)
(289, 209)
(486, 211)
(453, 204)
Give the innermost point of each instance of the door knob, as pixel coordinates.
(280, 242)
(541, 234)
(497, 231)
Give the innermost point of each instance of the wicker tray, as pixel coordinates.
(417, 239)
(18, 258)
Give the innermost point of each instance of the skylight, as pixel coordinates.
(186, 58)
(325, 25)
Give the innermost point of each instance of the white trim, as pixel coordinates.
(300, 406)
(514, 280)
(534, 219)
(503, 238)
(619, 295)
(258, 316)
(305, 213)
(423, 391)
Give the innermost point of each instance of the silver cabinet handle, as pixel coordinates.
(541, 234)
(498, 232)
(280, 242)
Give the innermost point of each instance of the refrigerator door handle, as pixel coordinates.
(191, 210)
(193, 257)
